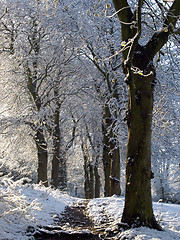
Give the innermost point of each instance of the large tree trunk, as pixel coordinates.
(42, 157)
(138, 201)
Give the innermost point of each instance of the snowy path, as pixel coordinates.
(73, 224)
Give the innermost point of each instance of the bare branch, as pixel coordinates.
(160, 38)
(5, 11)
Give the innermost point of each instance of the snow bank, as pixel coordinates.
(27, 205)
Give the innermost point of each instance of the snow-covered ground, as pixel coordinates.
(23, 205)
(168, 215)
(27, 205)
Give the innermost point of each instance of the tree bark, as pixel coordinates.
(138, 202)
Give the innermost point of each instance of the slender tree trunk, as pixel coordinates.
(97, 182)
(115, 171)
(86, 179)
(62, 171)
(91, 182)
(59, 173)
(88, 174)
(56, 151)
(111, 157)
(106, 163)
(42, 157)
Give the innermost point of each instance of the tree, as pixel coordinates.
(140, 78)
(34, 47)
(32, 85)
(98, 44)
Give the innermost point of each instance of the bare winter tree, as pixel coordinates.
(140, 78)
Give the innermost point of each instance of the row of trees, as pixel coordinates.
(66, 89)
(50, 62)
